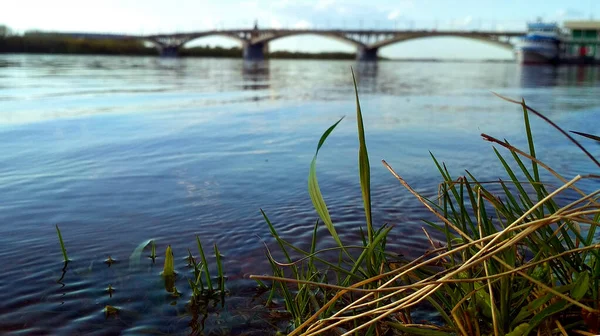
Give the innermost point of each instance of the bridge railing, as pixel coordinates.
(377, 26)
(466, 24)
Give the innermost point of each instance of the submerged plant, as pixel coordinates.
(62, 245)
(110, 290)
(109, 261)
(175, 292)
(220, 274)
(204, 265)
(204, 295)
(168, 272)
(110, 311)
(202, 285)
(169, 266)
(153, 251)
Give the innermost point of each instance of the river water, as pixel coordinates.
(120, 150)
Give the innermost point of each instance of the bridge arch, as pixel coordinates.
(410, 37)
(333, 35)
(215, 34)
(180, 40)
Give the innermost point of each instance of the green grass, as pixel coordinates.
(202, 288)
(356, 263)
(152, 251)
(201, 291)
(62, 245)
(169, 266)
(515, 260)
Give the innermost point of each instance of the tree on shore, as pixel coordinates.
(5, 31)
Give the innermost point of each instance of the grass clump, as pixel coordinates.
(517, 257)
(355, 264)
(202, 292)
(201, 284)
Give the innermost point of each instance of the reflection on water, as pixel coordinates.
(255, 75)
(584, 75)
(367, 74)
(120, 150)
(540, 76)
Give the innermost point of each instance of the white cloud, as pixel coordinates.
(464, 22)
(281, 4)
(568, 12)
(407, 4)
(394, 14)
(275, 24)
(249, 4)
(209, 23)
(302, 24)
(342, 10)
(324, 4)
(467, 20)
(399, 5)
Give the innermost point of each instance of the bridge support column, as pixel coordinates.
(169, 51)
(255, 52)
(365, 54)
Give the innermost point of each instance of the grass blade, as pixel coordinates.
(546, 119)
(153, 251)
(364, 166)
(169, 267)
(62, 245)
(589, 136)
(204, 264)
(315, 192)
(136, 255)
(221, 275)
(534, 166)
(552, 309)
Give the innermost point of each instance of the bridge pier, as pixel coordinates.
(365, 54)
(169, 51)
(255, 52)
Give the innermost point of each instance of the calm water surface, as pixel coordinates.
(121, 150)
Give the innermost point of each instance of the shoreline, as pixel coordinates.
(292, 56)
(59, 45)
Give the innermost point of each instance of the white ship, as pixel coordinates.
(541, 45)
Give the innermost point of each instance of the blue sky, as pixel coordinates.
(154, 16)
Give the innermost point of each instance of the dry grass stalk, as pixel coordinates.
(493, 245)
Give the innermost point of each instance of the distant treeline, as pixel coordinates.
(60, 44)
(208, 51)
(322, 55)
(57, 44)
(45, 43)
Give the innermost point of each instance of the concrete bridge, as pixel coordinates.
(255, 42)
